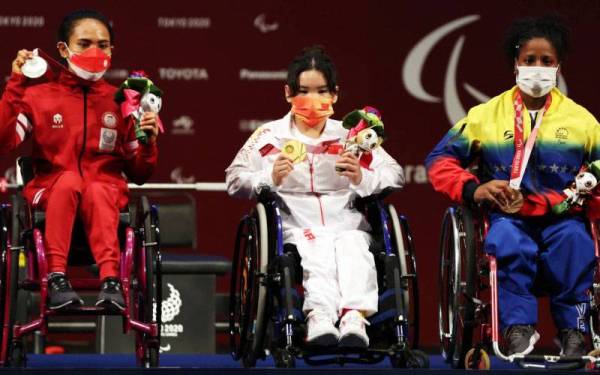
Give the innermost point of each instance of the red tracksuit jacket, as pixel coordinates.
(74, 126)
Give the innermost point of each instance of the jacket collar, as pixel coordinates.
(557, 98)
(69, 79)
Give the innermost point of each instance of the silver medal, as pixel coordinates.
(34, 67)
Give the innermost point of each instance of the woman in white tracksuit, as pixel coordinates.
(317, 202)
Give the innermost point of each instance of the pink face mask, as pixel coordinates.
(90, 64)
(312, 110)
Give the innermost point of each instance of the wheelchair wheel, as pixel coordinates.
(17, 355)
(402, 237)
(456, 310)
(149, 295)
(595, 299)
(248, 292)
(12, 351)
(284, 359)
(410, 359)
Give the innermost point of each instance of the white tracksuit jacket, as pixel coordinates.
(317, 211)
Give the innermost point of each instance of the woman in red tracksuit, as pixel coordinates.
(81, 148)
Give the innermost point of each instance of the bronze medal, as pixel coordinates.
(515, 204)
(296, 150)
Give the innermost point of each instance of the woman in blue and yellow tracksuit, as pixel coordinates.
(532, 242)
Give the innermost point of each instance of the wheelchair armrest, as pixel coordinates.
(266, 195)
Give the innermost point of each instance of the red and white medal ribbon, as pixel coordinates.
(523, 152)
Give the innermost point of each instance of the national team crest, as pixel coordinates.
(109, 119)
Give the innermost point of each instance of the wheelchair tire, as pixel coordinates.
(410, 359)
(402, 237)
(248, 292)
(150, 298)
(18, 356)
(9, 270)
(456, 311)
(284, 359)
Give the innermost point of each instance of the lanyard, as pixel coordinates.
(523, 152)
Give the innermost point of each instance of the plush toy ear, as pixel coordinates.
(120, 95)
(139, 84)
(155, 90)
(379, 130)
(352, 119)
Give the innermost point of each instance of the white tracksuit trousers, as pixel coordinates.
(339, 271)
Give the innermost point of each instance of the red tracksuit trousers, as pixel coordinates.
(97, 204)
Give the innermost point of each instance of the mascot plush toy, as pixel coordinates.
(366, 133)
(576, 194)
(136, 96)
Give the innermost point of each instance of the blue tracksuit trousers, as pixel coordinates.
(557, 253)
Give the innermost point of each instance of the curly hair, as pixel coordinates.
(550, 27)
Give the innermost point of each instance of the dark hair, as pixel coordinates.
(312, 58)
(68, 23)
(550, 27)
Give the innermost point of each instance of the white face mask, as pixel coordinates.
(536, 81)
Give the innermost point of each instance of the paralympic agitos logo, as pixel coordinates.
(413, 69)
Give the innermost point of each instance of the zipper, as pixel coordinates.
(85, 93)
(312, 187)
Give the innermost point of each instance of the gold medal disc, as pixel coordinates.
(296, 150)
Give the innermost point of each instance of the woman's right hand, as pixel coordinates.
(281, 168)
(22, 56)
(495, 191)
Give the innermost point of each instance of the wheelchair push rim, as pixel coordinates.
(456, 283)
(402, 236)
(9, 273)
(248, 292)
(149, 294)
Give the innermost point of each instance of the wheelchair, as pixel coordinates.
(23, 267)
(468, 300)
(265, 307)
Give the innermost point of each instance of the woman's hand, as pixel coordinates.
(348, 163)
(281, 168)
(22, 56)
(149, 124)
(495, 191)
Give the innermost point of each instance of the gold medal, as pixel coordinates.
(296, 150)
(514, 205)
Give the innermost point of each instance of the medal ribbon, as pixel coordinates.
(523, 152)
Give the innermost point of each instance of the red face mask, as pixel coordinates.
(312, 110)
(90, 64)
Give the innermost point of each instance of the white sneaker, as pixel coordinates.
(321, 330)
(352, 330)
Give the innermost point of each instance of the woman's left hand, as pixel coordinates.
(351, 167)
(149, 124)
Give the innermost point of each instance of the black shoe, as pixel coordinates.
(521, 339)
(111, 295)
(61, 294)
(572, 342)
